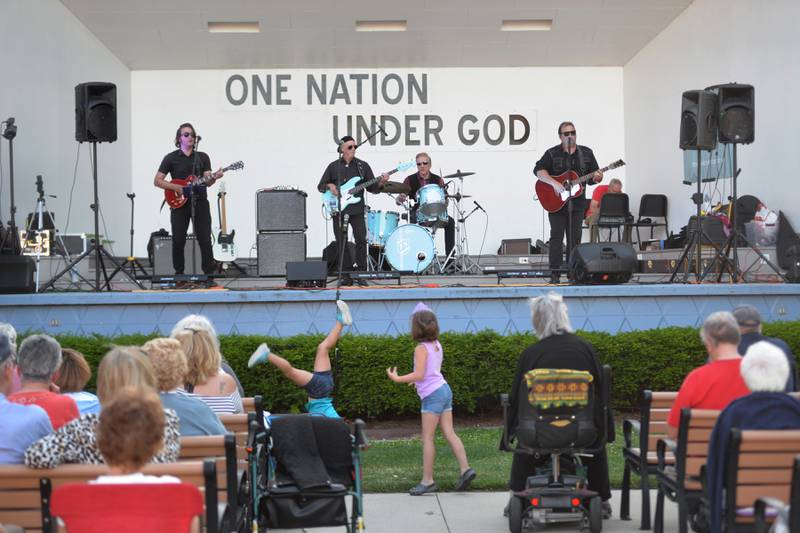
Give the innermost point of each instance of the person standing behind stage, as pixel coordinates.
(180, 164)
(424, 177)
(341, 170)
(555, 161)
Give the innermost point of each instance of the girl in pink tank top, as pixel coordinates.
(436, 397)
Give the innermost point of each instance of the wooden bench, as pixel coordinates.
(640, 457)
(222, 449)
(680, 482)
(758, 464)
(790, 514)
(25, 492)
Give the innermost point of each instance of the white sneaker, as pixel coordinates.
(343, 314)
(259, 356)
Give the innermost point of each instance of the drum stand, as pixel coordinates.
(459, 255)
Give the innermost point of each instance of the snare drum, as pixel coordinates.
(431, 200)
(381, 224)
(432, 221)
(410, 248)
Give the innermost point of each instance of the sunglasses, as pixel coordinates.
(187, 134)
(350, 147)
(421, 163)
(568, 133)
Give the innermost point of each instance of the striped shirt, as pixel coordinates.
(222, 405)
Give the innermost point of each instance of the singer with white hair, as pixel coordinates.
(180, 164)
(561, 158)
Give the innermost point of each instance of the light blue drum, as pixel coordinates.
(431, 206)
(410, 248)
(381, 224)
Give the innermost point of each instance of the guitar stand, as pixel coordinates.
(131, 259)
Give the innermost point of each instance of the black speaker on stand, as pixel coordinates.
(736, 113)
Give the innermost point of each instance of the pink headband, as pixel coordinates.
(421, 307)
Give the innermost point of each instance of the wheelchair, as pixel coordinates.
(558, 421)
(303, 467)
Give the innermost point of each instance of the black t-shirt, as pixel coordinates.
(180, 166)
(556, 161)
(339, 171)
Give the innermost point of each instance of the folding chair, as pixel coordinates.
(614, 213)
(651, 206)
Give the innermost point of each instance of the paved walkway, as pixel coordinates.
(475, 512)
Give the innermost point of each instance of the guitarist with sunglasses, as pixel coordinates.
(568, 220)
(180, 164)
(339, 172)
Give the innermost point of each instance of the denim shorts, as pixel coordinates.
(321, 385)
(438, 401)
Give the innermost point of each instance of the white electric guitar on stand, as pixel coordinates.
(224, 249)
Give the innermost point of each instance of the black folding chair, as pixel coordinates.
(651, 207)
(614, 213)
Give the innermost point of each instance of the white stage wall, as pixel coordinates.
(288, 141)
(711, 42)
(46, 52)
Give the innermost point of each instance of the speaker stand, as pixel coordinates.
(724, 254)
(96, 247)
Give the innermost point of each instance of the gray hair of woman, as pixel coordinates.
(549, 315)
(11, 333)
(196, 323)
(765, 368)
(38, 358)
(720, 327)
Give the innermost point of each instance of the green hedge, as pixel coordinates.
(478, 366)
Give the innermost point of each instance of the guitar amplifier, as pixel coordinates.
(280, 210)
(277, 249)
(162, 256)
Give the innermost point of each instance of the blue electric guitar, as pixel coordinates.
(349, 190)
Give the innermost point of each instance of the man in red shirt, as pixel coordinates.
(718, 382)
(38, 359)
(593, 211)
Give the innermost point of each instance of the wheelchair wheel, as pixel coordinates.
(515, 515)
(595, 515)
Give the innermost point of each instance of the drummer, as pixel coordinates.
(420, 179)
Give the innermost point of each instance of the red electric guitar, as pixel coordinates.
(176, 200)
(573, 186)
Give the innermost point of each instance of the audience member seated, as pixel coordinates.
(11, 333)
(749, 320)
(20, 425)
(205, 379)
(765, 370)
(170, 367)
(38, 359)
(718, 382)
(192, 322)
(558, 347)
(76, 442)
(72, 377)
(129, 434)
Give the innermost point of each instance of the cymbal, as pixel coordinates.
(458, 196)
(457, 174)
(395, 187)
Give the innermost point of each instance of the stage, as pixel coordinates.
(467, 303)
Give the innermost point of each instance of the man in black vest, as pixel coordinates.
(340, 171)
(180, 164)
(424, 177)
(568, 220)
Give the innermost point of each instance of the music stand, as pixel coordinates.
(131, 259)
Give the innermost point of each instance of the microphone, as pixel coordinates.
(198, 139)
(479, 206)
(11, 129)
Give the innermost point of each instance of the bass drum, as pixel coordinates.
(410, 248)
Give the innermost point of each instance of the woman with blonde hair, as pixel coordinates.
(204, 378)
(76, 441)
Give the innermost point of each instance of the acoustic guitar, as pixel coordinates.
(573, 186)
(176, 200)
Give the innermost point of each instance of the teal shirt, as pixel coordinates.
(322, 406)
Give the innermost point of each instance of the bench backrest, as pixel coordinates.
(654, 412)
(694, 434)
(758, 464)
(222, 449)
(21, 487)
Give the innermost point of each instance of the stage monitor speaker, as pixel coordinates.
(96, 112)
(736, 113)
(788, 245)
(277, 249)
(16, 274)
(603, 263)
(306, 274)
(162, 256)
(280, 210)
(698, 120)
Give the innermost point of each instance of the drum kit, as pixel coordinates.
(410, 247)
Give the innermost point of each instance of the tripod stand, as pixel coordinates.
(131, 259)
(96, 247)
(734, 238)
(9, 133)
(459, 256)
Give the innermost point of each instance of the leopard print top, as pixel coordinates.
(76, 442)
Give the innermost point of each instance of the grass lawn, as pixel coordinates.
(396, 465)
